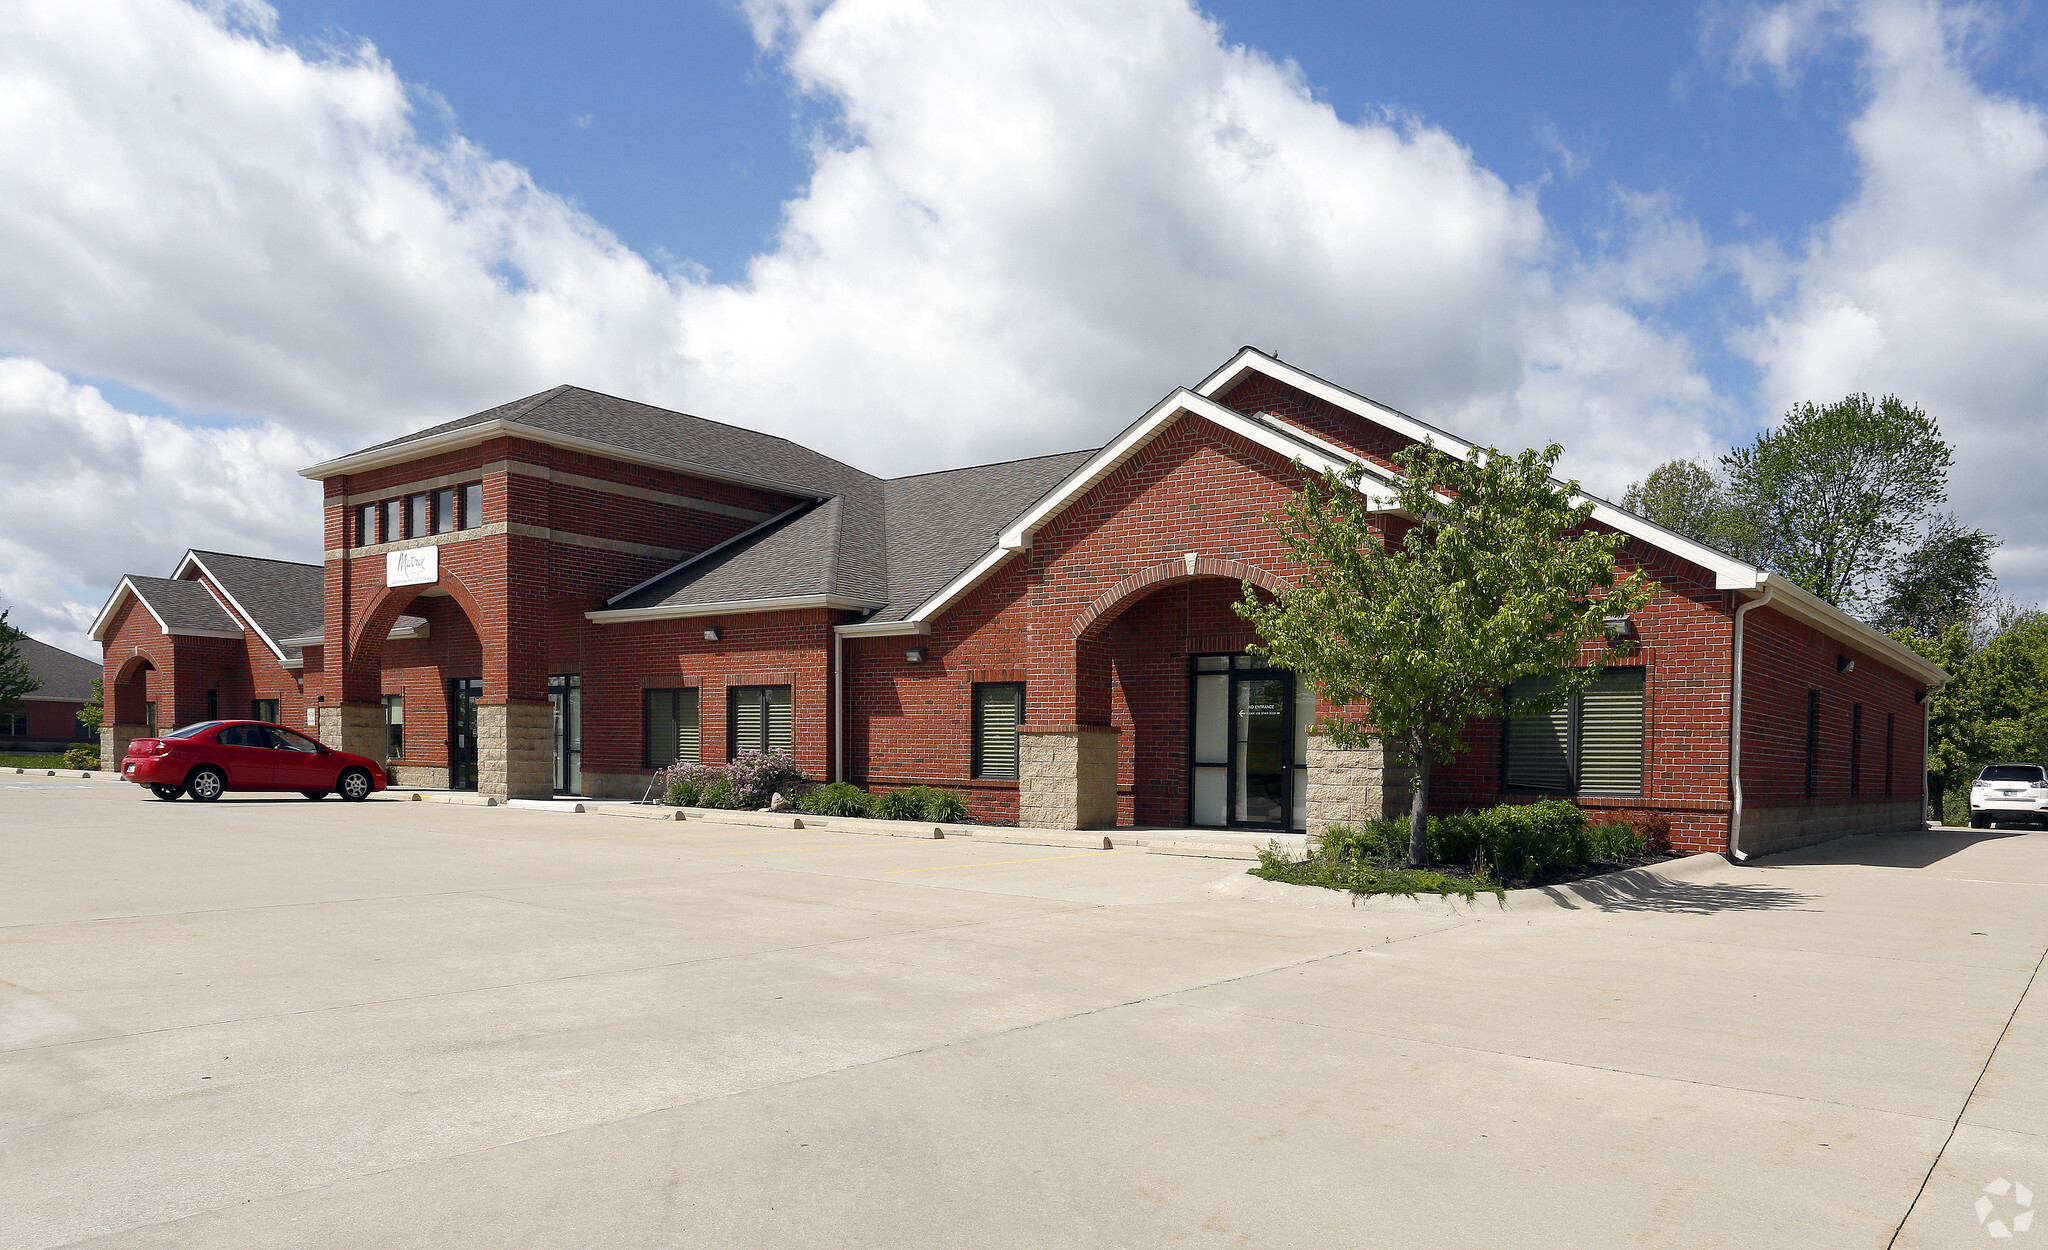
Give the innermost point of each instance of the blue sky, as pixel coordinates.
(242, 238)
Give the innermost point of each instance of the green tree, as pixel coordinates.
(1684, 497)
(16, 681)
(94, 714)
(1830, 496)
(1995, 706)
(1940, 583)
(1496, 576)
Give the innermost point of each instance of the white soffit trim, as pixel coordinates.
(731, 607)
(216, 589)
(883, 629)
(1729, 572)
(1803, 605)
(98, 631)
(483, 431)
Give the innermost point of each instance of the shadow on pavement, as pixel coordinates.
(1691, 898)
(1894, 850)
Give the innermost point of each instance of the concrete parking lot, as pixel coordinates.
(266, 1022)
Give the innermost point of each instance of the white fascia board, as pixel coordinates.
(711, 551)
(977, 573)
(1729, 572)
(1182, 402)
(883, 629)
(214, 587)
(306, 640)
(484, 431)
(50, 698)
(1802, 604)
(98, 631)
(731, 607)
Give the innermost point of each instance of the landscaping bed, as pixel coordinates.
(1514, 846)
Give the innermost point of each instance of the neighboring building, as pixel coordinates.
(561, 594)
(47, 720)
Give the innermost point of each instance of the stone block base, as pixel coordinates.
(417, 776)
(1350, 787)
(357, 728)
(114, 740)
(615, 785)
(1066, 778)
(515, 750)
(1766, 830)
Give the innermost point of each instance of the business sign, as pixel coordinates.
(419, 566)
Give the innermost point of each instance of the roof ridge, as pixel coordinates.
(235, 555)
(835, 531)
(996, 464)
(725, 425)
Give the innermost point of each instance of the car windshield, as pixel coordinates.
(286, 740)
(2029, 773)
(190, 731)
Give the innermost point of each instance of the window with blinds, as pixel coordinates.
(669, 732)
(998, 710)
(1592, 744)
(758, 719)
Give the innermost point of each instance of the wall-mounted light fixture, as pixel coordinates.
(1619, 626)
(914, 656)
(1843, 664)
(713, 634)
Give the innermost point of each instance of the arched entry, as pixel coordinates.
(131, 710)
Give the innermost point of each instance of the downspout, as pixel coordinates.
(1926, 743)
(1735, 729)
(838, 705)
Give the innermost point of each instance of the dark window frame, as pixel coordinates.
(14, 724)
(443, 519)
(469, 506)
(1812, 743)
(257, 708)
(649, 757)
(367, 520)
(734, 697)
(394, 731)
(976, 767)
(1574, 710)
(392, 509)
(1855, 750)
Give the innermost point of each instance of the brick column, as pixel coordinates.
(1066, 776)
(1350, 787)
(515, 749)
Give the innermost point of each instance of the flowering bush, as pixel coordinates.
(748, 782)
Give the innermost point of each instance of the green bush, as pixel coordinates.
(83, 757)
(838, 799)
(1615, 842)
(939, 806)
(720, 795)
(1532, 838)
(1460, 839)
(684, 794)
(900, 805)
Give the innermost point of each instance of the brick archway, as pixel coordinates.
(1110, 603)
(364, 664)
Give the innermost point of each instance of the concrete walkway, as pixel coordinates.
(265, 1022)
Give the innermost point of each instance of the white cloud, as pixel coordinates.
(94, 492)
(1932, 281)
(1034, 220)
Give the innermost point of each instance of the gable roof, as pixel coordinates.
(622, 429)
(279, 598)
(66, 678)
(179, 606)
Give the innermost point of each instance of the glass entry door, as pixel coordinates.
(565, 691)
(463, 692)
(1249, 746)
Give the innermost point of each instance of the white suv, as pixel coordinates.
(2009, 792)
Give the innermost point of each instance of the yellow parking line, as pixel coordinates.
(842, 846)
(1038, 860)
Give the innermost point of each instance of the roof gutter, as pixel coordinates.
(1735, 850)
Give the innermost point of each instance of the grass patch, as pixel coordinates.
(1367, 877)
(31, 761)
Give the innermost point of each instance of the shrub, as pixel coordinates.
(1531, 838)
(1460, 839)
(683, 785)
(83, 757)
(939, 806)
(720, 794)
(838, 799)
(1616, 841)
(757, 776)
(684, 794)
(900, 805)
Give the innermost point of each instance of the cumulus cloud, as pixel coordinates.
(1027, 222)
(94, 492)
(1932, 281)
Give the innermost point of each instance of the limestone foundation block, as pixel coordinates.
(515, 756)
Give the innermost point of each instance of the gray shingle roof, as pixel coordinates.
(182, 604)
(283, 597)
(939, 524)
(64, 675)
(725, 451)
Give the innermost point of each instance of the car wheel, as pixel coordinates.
(205, 784)
(167, 793)
(315, 795)
(354, 785)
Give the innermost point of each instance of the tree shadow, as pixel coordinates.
(1893, 850)
(1640, 892)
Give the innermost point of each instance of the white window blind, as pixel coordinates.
(760, 718)
(1611, 734)
(998, 707)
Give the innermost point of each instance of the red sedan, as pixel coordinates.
(212, 757)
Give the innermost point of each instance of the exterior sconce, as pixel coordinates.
(713, 634)
(1619, 626)
(1843, 664)
(914, 656)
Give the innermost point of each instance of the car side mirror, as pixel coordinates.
(323, 748)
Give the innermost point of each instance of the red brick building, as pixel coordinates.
(560, 594)
(46, 720)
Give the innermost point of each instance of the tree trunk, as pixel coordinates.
(1418, 811)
